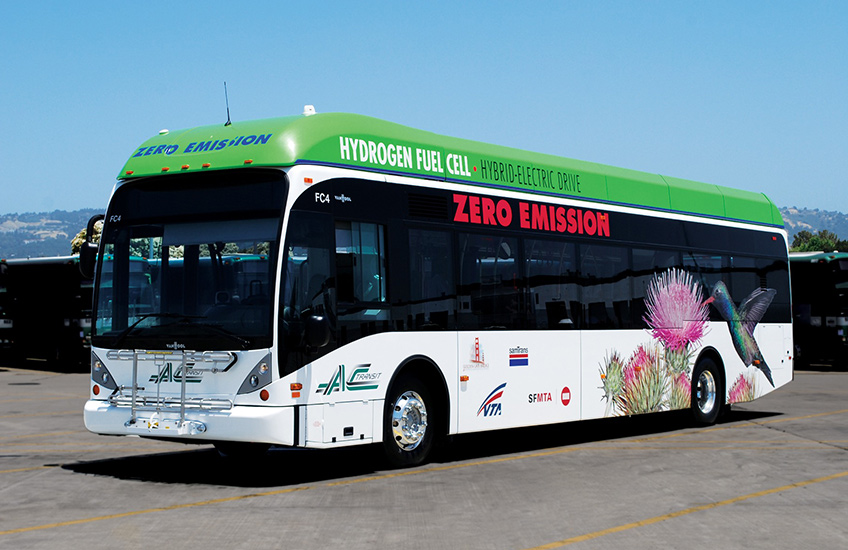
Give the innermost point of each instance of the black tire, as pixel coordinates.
(707, 392)
(409, 422)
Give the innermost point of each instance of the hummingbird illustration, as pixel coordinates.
(742, 322)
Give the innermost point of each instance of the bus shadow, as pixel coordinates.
(282, 467)
(537, 438)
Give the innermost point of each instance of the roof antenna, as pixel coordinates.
(227, 99)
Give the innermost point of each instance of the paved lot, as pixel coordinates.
(772, 474)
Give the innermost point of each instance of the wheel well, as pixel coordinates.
(426, 371)
(713, 354)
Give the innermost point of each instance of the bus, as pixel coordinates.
(820, 307)
(45, 313)
(6, 323)
(418, 286)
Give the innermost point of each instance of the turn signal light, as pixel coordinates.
(463, 378)
(264, 395)
(297, 386)
(95, 390)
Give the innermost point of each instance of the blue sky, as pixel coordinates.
(752, 95)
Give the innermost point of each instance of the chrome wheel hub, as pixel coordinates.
(705, 392)
(409, 420)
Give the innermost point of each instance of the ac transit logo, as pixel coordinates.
(359, 380)
(491, 405)
(169, 374)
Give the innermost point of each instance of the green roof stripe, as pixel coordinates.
(356, 141)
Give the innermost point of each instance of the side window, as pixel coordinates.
(707, 269)
(744, 278)
(490, 284)
(647, 264)
(360, 262)
(432, 291)
(604, 274)
(552, 283)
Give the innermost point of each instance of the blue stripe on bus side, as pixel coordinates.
(537, 193)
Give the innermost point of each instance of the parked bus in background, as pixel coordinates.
(416, 286)
(6, 322)
(820, 307)
(46, 308)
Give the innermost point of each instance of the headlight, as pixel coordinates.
(258, 377)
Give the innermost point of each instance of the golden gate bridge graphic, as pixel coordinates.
(477, 356)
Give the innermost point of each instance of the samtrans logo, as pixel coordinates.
(360, 379)
(169, 374)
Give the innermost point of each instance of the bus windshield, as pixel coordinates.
(183, 269)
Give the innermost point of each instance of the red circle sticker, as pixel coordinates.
(565, 396)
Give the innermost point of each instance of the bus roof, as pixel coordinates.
(366, 143)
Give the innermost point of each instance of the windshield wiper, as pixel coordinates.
(126, 332)
(244, 342)
(183, 320)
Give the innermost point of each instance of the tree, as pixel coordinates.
(824, 241)
(76, 242)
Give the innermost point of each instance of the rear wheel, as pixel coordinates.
(409, 427)
(707, 394)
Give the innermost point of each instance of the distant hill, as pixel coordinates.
(41, 234)
(801, 219)
(49, 233)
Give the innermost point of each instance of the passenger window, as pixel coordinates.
(647, 264)
(360, 262)
(432, 290)
(552, 280)
(604, 276)
(490, 292)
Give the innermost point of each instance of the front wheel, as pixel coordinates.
(707, 395)
(408, 422)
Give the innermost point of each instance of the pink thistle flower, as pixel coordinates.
(680, 396)
(684, 386)
(677, 314)
(742, 390)
(644, 382)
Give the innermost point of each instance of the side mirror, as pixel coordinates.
(317, 331)
(88, 250)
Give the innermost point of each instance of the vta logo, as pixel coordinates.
(491, 405)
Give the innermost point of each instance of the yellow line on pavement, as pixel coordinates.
(453, 466)
(31, 468)
(57, 413)
(151, 510)
(739, 425)
(658, 519)
(50, 434)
